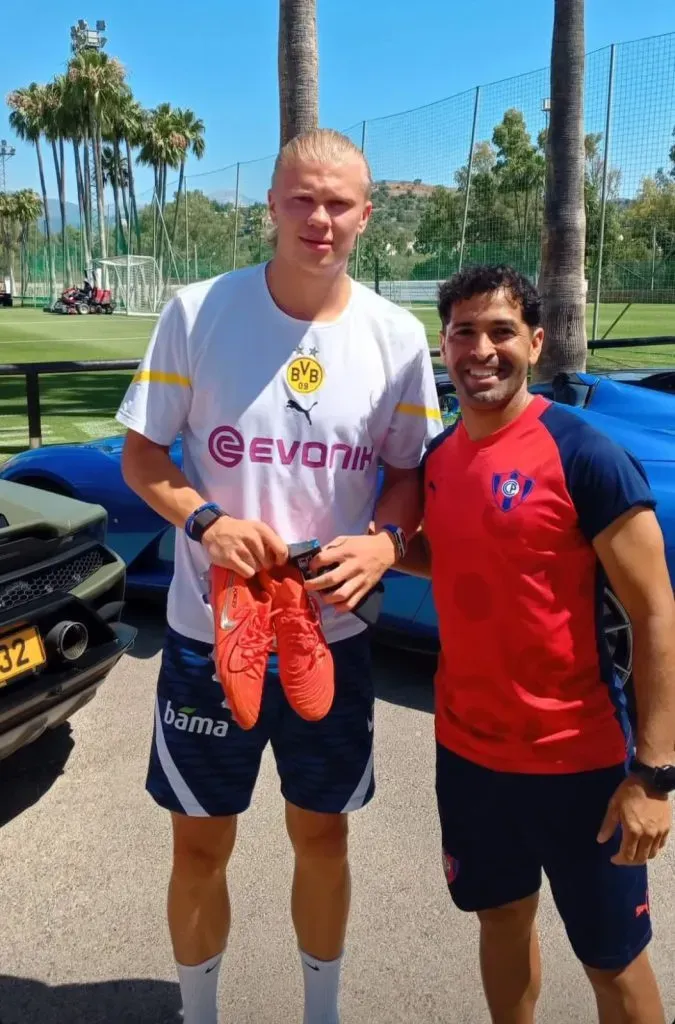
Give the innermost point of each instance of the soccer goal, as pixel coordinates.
(135, 284)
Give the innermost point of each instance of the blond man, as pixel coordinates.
(289, 382)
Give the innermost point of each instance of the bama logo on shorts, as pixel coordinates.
(228, 448)
(187, 720)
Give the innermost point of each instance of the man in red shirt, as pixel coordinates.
(529, 514)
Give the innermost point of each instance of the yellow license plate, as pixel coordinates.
(20, 652)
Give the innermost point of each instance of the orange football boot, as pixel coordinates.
(244, 637)
(306, 665)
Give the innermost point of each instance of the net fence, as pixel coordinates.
(457, 181)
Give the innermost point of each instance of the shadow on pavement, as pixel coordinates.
(132, 1001)
(403, 677)
(28, 774)
(149, 619)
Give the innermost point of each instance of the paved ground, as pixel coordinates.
(84, 861)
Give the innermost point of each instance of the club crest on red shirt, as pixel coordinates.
(511, 489)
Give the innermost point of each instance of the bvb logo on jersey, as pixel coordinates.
(304, 375)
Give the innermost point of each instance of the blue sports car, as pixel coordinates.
(635, 408)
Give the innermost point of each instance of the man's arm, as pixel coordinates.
(150, 472)
(360, 562)
(401, 500)
(631, 551)
(417, 560)
(246, 546)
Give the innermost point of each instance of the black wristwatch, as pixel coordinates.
(661, 779)
(202, 517)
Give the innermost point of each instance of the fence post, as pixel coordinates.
(33, 409)
(603, 208)
(358, 237)
(468, 177)
(236, 221)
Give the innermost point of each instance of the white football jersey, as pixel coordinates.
(281, 420)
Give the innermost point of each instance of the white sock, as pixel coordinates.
(322, 980)
(199, 991)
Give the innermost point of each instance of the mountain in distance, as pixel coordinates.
(72, 215)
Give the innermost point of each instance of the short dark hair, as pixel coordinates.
(482, 280)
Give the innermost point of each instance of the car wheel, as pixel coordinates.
(619, 635)
(42, 484)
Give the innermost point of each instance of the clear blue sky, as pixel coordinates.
(376, 58)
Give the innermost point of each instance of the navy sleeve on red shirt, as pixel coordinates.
(603, 479)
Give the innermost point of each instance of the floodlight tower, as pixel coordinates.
(6, 151)
(84, 38)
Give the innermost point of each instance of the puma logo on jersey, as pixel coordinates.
(292, 404)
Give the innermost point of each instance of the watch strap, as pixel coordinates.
(660, 778)
(201, 518)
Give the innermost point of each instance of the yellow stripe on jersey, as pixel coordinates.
(159, 377)
(418, 410)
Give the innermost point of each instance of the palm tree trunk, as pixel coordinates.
(181, 177)
(298, 64)
(62, 209)
(132, 197)
(67, 267)
(87, 195)
(120, 179)
(118, 224)
(162, 224)
(48, 226)
(100, 200)
(85, 229)
(24, 260)
(562, 280)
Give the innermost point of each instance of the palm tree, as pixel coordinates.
(96, 81)
(298, 68)
(192, 130)
(115, 175)
(162, 148)
(27, 119)
(17, 212)
(55, 130)
(131, 119)
(75, 130)
(562, 279)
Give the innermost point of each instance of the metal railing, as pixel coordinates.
(31, 372)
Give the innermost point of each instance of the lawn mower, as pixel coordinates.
(83, 301)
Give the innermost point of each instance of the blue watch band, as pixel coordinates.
(200, 518)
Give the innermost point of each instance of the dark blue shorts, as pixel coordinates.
(203, 764)
(501, 830)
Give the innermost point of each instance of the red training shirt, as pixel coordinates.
(525, 681)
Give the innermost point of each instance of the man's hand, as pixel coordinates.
(645, 818)
(246, 546)
(360, 563)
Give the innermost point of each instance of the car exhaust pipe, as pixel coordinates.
(68, 640)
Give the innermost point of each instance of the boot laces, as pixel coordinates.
(256, 638)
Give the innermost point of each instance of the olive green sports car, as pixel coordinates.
(61, 598)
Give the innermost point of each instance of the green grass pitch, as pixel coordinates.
(81, 407)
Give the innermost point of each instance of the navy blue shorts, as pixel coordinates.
(500, 830)
(203, 764)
